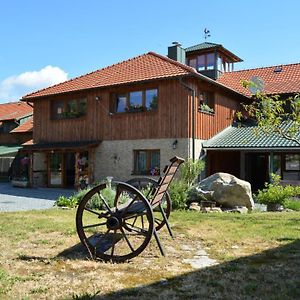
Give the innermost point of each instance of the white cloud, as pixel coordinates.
(14, 87)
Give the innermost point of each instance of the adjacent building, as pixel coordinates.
(15, 129)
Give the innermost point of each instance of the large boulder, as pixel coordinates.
(228, 190)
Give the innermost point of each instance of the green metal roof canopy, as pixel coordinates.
(245, 138)
(9, 149)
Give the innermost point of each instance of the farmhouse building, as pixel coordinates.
(128, 119)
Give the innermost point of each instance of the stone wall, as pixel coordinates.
(116, 158)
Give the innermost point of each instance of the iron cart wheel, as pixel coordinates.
(115, 224)
(146, 185)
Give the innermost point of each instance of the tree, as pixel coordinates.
(274, 114)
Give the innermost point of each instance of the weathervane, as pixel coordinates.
(206, 33)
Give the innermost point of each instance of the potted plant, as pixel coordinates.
(274, 195)
(20, 181)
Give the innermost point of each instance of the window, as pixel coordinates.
(121, 103)
(206, 101)
(210, 61)
(292, 162)
(135, 101)
(193, 63)
(147, 162)
(68, 109)
(287, 166)
(201, 63)
(151, 99)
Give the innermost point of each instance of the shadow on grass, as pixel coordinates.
(271, 274)
(77, 251)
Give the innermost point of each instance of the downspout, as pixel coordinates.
(193, 116)
(29, 104)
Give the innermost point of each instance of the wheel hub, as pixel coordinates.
(113, 223)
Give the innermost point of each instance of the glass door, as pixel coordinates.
(55, 169)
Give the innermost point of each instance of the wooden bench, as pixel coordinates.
(116, 224)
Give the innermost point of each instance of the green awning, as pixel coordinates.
(246, 138)
(9, 150)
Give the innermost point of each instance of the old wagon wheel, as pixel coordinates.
(146, 185)
(115, 224)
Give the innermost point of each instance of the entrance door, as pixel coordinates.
(55, 169)
(69, 159)
(257, 169)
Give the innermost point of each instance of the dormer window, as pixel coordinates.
(211, 59)
(203, 62)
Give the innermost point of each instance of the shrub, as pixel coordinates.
(292, 204)
(274, 193)
(66, 202)
(190, 170)
(179, 188)
(80, 194)
(179, 193)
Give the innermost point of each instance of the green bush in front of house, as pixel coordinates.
(274, 193)
(71, 201)
(95, 202)
(179, 188)
(63, 201)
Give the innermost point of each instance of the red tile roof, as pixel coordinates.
(141, 68)
(27, 143)
(25, 127)
(14, 110)
(284, 82)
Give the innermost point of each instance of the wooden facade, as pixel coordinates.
(171, 119)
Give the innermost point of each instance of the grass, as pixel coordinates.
(258, 255)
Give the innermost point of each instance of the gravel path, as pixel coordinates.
(17, 199)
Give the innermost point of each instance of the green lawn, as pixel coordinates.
(258, 255)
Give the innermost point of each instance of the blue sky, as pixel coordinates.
(44, 42)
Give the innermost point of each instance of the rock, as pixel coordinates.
(194, 206)
(211, 209)
(237, 209)
(228, 190)
(274, 207)
(197, 194)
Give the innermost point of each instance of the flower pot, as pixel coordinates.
(274, 207)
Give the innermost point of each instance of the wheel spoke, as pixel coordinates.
(118, 194)
(135, 216)
(157, 221)
(142, 219)
(105, 203)
(94, 212)
(94, 225)
(136, 229)
(127, 240)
